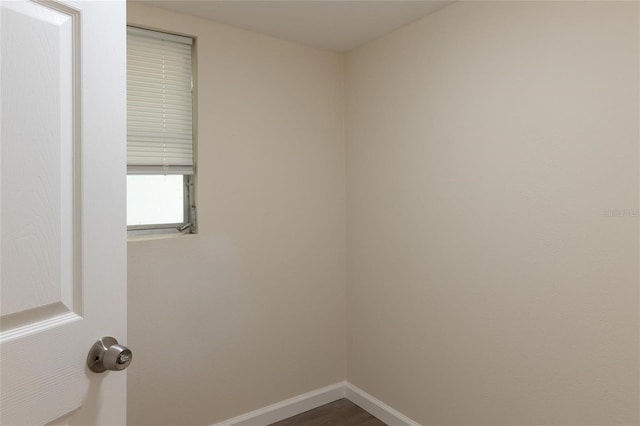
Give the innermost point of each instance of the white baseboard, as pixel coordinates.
(376, 407)
(310, 400)
(289, 407)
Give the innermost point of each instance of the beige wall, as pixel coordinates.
(251, 310)
(486, 283)
(487, 144)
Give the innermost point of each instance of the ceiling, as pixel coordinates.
(338, 25)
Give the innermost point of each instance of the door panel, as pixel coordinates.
(62, 223)
(39, 250)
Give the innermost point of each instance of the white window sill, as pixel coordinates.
(155, 234)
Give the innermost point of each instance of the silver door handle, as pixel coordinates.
(108, 354)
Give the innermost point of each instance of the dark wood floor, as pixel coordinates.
(338, 413)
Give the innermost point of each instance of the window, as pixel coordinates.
(160, 145)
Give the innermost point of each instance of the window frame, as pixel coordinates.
(189, 225)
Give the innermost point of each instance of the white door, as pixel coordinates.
(62, 216)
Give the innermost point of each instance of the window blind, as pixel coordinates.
(159, 103)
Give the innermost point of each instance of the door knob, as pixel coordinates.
(108, 354)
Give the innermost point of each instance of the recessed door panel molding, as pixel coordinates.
(40, 271)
